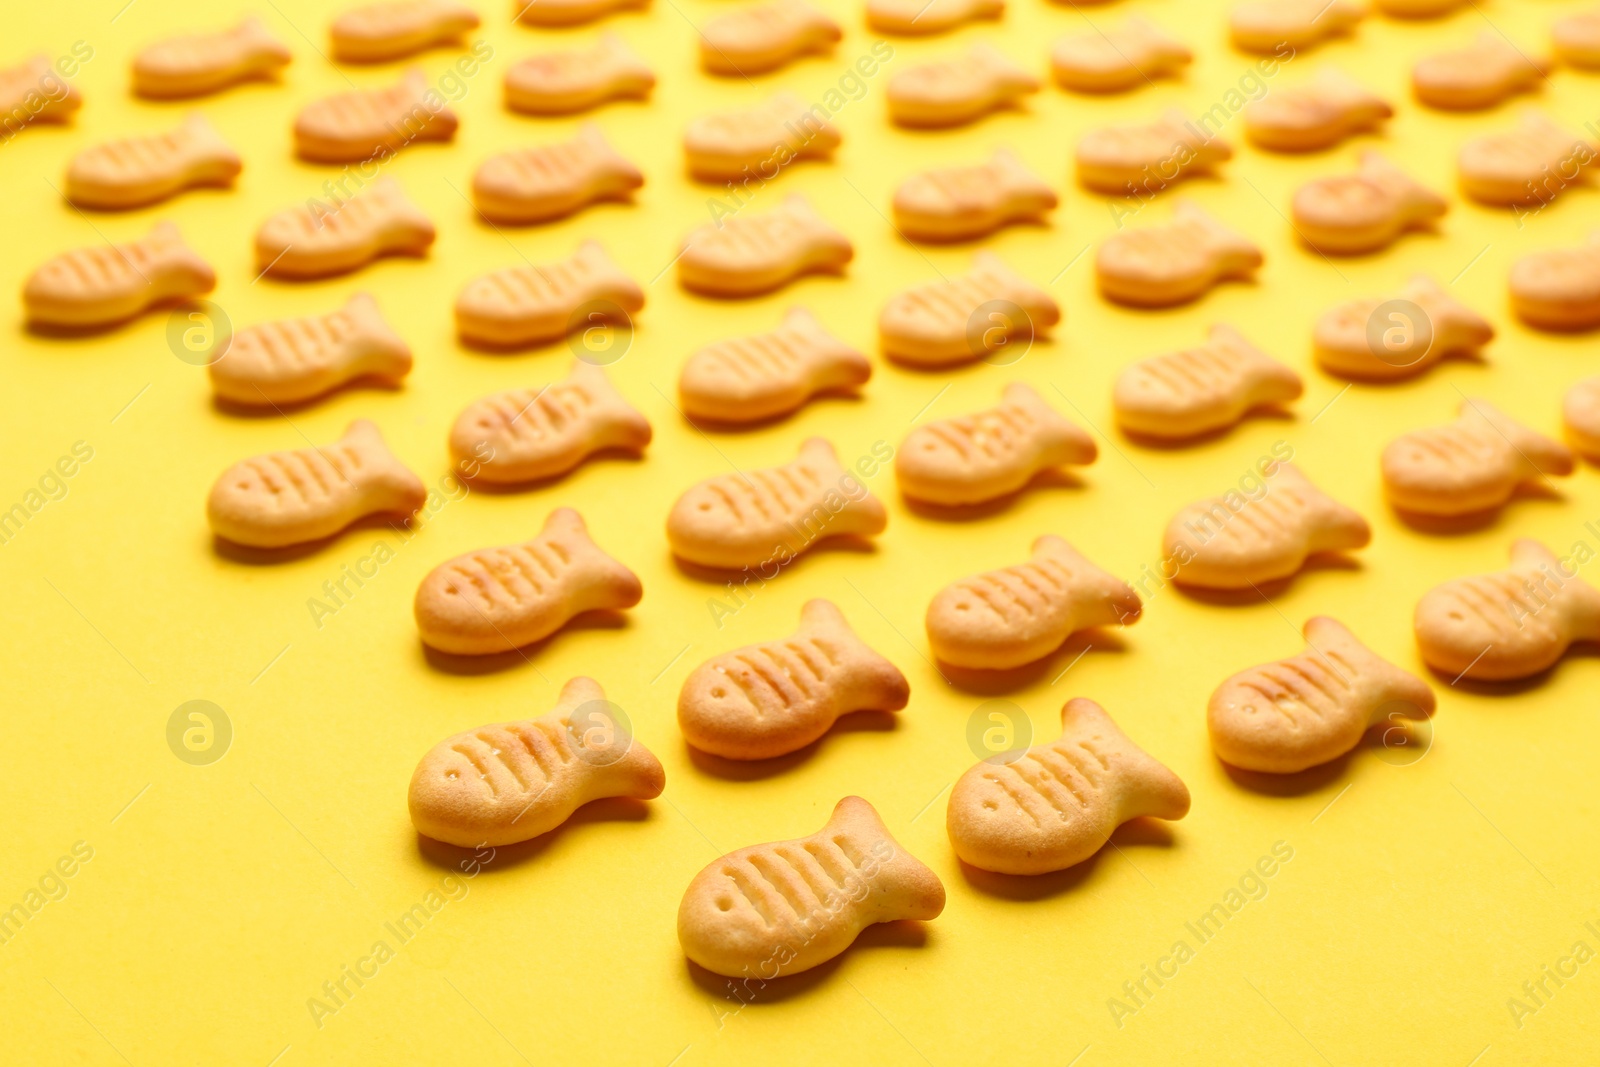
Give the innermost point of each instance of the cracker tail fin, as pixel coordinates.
(908, 887)
(1279, 383)
(612, 280)
(1017, 179)
(1240, 255)
(1122, 605)
(1338, 527)
(1161, 793)
(1066, 439)
(611, 161)
(385, 352)
(206, 143)
(1550, 580)
(616, 586)
(1039, 306)
(257, 40)
(1544, 454)
(886, 688)
(862, 514)
(1403, 693)
(167, 242)
(404, 491)
(621, 424)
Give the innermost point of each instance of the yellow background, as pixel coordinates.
(1418, 899)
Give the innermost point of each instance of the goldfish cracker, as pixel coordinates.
(296, 360)
(1159, 266)
(32, 92)
(1559, 289)
(1238, 542)
(781, 908)
(762, 140)
(1478, 76)
(144, 170)
(1580, 416)
(761, 517)
(1007, 618)
(1267, 27)
(1115, 60)
(522, 306)
(748, 379)
(954, 92)
(105, 284)
(1417, 9)
(1531, 164)
(497, 599)
(557, 13)
(290, 498)
(1125, 159)
(205, 63)
(378, 221)
(1576, 39)
(1057, 804)
(1415, 329)
(394, 29)
(1283, 717)
(551, 181)
(924, 17)
(989, 454)
(521, 435)
(563, 83)
(1510, 624)
(744, 255)
(1365, 211)
(960, 319)
(1200, 390)
(373, 124)
(1329, 108)
(1469, 466)
(960, 203)
(766, 36)
(512, 781)
(776, 697)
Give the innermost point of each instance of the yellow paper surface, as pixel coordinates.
(219, 899)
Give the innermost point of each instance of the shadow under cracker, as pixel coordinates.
(1030, 887)
(735, 770)
(455, 858)
(528, 485)
(1320, 561)
(266, 557)
(1041, 222)
(494, 662)
(1300, 783)
(980, 682)
(721, 426)
(753, 990)
(1515, 686)
(1050, 478)
(62, 332)
(271, 410)
(720, 576)
(1138, 832)
(1275, 412)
